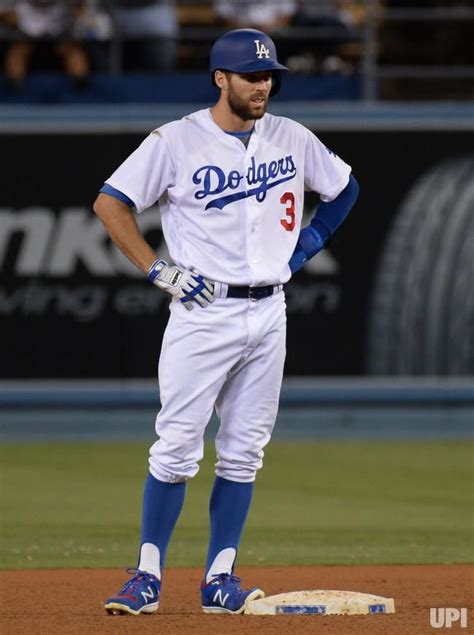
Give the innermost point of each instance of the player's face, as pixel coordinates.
(248, 94)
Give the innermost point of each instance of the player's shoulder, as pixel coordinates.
(183, 125)
(281, 124)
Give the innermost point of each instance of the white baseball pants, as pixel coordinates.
(230, 356)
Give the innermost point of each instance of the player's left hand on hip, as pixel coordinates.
(186, 286)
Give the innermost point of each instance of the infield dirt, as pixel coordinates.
(70, 601)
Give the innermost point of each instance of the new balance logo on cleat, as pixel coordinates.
(218, 596)
(149, 594)
(139, 595)
(223, 594)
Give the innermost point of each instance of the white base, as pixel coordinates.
(321, 603)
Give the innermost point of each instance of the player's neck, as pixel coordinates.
(228, 120)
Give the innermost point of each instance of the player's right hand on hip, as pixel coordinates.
(186, 286)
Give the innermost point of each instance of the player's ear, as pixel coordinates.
(221, 80)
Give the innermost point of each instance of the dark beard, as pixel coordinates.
(242, 109)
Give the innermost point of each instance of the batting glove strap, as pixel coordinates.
(155, 269)
(186, 286)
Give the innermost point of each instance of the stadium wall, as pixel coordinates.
(72, 307)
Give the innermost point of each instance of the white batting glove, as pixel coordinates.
(186, 286)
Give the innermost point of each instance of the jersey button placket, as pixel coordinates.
(253, 211)
(252, 208)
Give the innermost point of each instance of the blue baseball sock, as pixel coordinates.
(229, 506)
(162, 504)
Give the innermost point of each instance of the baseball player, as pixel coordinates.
(230, 184)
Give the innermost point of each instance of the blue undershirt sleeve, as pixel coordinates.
(111, 191)
(330, 215)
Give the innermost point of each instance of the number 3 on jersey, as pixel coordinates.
(288, 199)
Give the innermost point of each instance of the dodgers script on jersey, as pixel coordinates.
(246, 204)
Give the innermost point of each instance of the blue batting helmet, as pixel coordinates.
(246, 51)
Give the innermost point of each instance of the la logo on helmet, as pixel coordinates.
(262, 50)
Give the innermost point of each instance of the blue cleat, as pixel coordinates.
(140, 594)
(224, 595)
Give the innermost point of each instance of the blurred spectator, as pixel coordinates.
(149, 31)
(44, 27)
(95, 29)
(335, 21)
(266, 15)
(93, 21)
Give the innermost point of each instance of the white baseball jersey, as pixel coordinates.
(229, 212)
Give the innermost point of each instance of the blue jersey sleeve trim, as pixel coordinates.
(111, 191)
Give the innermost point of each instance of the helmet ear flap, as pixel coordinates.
(276, 83)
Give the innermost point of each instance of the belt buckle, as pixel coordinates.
(252, 297)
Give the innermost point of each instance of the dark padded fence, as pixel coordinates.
(422, 313)
(70, 307)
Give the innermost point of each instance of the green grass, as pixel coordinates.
(78, 505)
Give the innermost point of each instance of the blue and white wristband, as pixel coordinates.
(155, 269)
(161, 273)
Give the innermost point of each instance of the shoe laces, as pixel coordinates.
(138, 578)
(228, 578)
